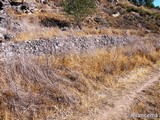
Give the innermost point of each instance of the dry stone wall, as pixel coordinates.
(66, 45)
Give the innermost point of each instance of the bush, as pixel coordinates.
(79, 9)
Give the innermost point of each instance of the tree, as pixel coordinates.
(149, 3)
(79, 9)
(141, 2)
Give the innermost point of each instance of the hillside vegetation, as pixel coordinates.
(33, 20)
(41, 80)
(59, 86)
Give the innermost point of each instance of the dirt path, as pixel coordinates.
(122, 105)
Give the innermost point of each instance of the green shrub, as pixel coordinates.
(79, 9)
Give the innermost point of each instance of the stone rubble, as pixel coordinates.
(57, 46)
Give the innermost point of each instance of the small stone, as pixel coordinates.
(116, 15)
(64, 28)
(1, 36)
(98, 20)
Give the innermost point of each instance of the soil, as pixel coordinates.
(142, 99)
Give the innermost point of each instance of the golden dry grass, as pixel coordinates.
(36, 33)
(111, 31)
(51, 86)
(113, 62)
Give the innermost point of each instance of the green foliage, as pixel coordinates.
(79, 9)
(148, 3)
(138, 10)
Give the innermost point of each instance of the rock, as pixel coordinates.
(98, 20)
(136, 15)
(64, 45)
(44, 1)
(24, 6)
(2, 30)
(8, 37)
(3, 22)
(101, 21)
(65, 28)
(27, 7)
(1, 36)
(116, 15)
(108, 11)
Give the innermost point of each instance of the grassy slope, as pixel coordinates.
(133, 20)
(35, 88)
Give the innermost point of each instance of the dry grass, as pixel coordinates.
(100, 64)
(117, 24)
(32, 29)
(34, 32)
(55, 86)
(42, 15)
(111, 31)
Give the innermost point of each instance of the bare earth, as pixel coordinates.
(128, 102)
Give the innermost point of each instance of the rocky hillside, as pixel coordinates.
(30, 19)
(50, 69)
